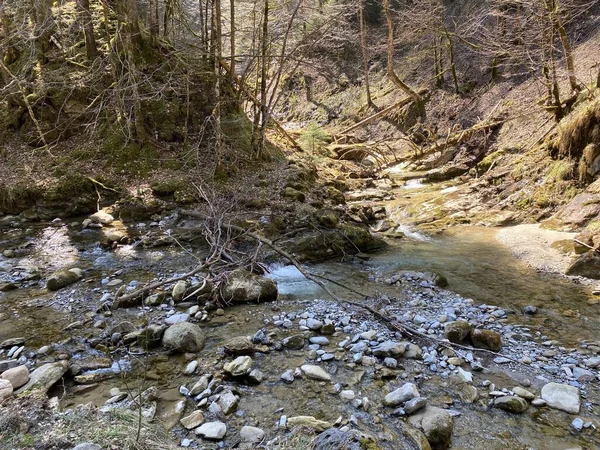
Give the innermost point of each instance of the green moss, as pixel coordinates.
(17, 196)
(485, 164)
(161, 116)
(127, 155)
(561, 170)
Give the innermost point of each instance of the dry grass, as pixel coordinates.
(27, 425)
(579, 129)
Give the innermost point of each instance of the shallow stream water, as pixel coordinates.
(475, 263)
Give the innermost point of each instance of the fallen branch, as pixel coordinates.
(126, 300)
(595, 249)
(383, 112)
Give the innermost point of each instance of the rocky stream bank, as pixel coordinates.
(243, 361)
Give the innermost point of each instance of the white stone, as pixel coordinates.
(562, 396)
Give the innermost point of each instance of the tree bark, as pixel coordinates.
(232, 39)
(154, 23)
(363, 48)
(43, 26)
(390, 55)
(91, 48)
(553, 10)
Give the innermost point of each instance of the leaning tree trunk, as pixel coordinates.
(91, 49)
(390, 55)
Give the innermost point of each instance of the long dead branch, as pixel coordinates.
(125, 300)
(383, 112)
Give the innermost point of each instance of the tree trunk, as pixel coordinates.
(553, 11)
(91, 49)
(217, 52)
(363, 48)
(154, 23)
(452, 62)
(390, 55)
(43, 26)
(232, 40)
(260, 141)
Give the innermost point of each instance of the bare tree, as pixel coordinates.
(390, 55)
(88, 29)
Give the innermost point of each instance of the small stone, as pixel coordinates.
(524, 393)
(239, 367)
(251, 434)
(193, 420)
(319, 340)
(287, 376)
(347, 395)
(511, 403)
(191, 368)
(309, 422)
(315, 373)
(407, 392)
(212, 430)
(228, 402)
(577, 424)
(415, 404)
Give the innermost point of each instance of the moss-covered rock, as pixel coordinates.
(293, 194)
(325, 244)
(327, 218)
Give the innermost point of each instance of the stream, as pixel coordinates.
(477, 267)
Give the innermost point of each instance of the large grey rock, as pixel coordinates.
(63, 278)
(315, 373)
(251, 434)
(6, 390)
(241, 286)
(562, 396)
(511, 404)
(18, 376)
(184, 337)
(240, 366)
(44, 377)
(406, 392)
(212, 430)
(436, 424)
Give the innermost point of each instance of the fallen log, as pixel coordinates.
(383, 112)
